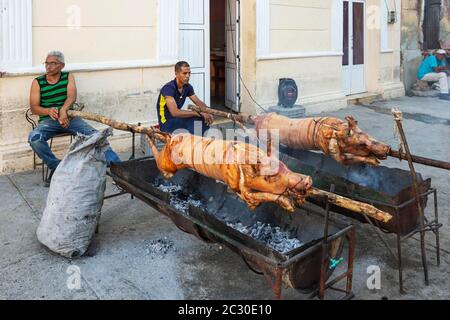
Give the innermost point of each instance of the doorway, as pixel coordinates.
(217, 55)
(431, 24)
(224, 51)
(209, 41)
(354, 38)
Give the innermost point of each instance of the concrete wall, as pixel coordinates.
(110, 29)
(248, 54)
(411, 41)
(384, 66)
(299, 25)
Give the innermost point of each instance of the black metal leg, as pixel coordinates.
(399, 261)
(436, 216)
(351, 257)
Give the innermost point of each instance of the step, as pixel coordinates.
(363, 98)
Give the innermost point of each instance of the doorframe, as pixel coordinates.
(364, 2)
(237, 43)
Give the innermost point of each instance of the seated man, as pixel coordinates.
(448, 58)
(171, 100)
(434, 68)
(51, 96)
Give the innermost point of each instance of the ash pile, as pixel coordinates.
(159, 248)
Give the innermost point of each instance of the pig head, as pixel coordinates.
(348, 144)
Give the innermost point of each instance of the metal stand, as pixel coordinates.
(329, 262)
(428, 226)
(121, 191)
(398, 119)
(424, 224)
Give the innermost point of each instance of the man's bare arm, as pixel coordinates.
(209, 119)
(35, 103)
(198, 102)
(177, 113)
(71, 98)
(440, 69)
(71, 93)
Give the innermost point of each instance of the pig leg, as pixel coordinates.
(254, 199)
(156, 154)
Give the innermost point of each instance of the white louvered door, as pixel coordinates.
(194, 44)
(15, 34)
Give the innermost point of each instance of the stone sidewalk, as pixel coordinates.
(122, 262)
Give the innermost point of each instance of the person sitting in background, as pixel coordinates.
(448, 58)
(434, 68)
(51, 96)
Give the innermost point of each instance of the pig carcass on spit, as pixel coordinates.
(343, 141)
(255, 176)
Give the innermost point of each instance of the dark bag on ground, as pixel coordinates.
(75, 198)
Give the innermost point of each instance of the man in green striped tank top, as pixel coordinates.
(51, 96)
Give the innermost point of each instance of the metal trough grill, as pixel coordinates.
(388, 189)
(286, 249)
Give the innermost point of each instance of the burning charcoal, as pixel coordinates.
(195, 203)
(238, 226)
(171, 188)
(274, 237)
(179, 205)
(178, 199)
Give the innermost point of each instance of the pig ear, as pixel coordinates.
(352, 123)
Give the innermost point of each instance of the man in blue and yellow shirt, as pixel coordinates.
(172, 98)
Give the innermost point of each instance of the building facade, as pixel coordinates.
(122, 53)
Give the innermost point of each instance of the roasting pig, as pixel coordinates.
(343, 141)
(252, 174)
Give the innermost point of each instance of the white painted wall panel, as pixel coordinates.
(192, 44)
(198, 82)
(190, 11)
